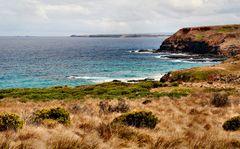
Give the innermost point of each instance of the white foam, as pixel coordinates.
(148, 51)
(74, 77)
(177, 61)
(162, 57)
(108, 79)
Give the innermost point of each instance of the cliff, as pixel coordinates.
(210, 40)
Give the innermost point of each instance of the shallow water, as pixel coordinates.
(56, 61)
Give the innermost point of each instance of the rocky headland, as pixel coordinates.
(211, 41)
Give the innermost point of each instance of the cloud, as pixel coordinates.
(65, 17)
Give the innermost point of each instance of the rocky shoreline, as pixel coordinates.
(184, 56)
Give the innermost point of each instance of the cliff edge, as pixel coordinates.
(208, 40)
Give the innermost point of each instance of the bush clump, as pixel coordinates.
(58, 114)
(137, 119)
(232, 124)
(10, 121)
(105, 107)
(220, 100)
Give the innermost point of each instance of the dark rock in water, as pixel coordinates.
(183, 56)
(140, 80)
(56, 87)
(116, 81)
(149, 79)
(143, 50)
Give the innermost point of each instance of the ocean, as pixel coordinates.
(39, 62)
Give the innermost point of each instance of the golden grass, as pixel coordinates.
(189, 122)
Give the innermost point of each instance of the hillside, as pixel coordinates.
(207, 40)
(225, 72)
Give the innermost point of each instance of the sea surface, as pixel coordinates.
(31, 62)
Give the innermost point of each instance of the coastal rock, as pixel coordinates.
(209, 40)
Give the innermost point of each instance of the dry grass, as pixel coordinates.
(189, 122)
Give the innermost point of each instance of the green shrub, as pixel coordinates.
(10, 121)
(137, 119)
(58, 114)
(232, 124)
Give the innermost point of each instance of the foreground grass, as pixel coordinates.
(191, 122)
(111, 90)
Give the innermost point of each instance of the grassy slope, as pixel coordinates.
(188, 122)
(229, 68)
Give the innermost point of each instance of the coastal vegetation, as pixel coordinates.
(192, 108)
(137, 119)
(232, 124)
(10, 121)
(192, 121)
(58, 114)
(111, 90)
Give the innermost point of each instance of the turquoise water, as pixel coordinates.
(31, 62)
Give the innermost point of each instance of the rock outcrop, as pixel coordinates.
(208, 40)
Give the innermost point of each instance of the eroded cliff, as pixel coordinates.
(207, 40)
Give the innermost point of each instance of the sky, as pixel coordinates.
(67, 17)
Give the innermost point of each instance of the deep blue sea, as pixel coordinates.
(31, 62)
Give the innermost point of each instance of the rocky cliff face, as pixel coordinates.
(210, 40)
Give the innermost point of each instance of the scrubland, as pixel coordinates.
(189, 114)
(189, 121)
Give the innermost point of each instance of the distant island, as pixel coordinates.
(123, 35)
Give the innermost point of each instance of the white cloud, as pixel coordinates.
(64, 17)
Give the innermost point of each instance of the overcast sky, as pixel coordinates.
(66, 17)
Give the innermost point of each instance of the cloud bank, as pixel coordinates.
(65, 17)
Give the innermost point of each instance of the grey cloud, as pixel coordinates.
(64, 17)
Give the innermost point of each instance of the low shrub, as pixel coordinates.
(1, 96)
(137, 119)
(220, 100)
(105, 107)
(10, 121)
(232, 124)
(58, 114)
